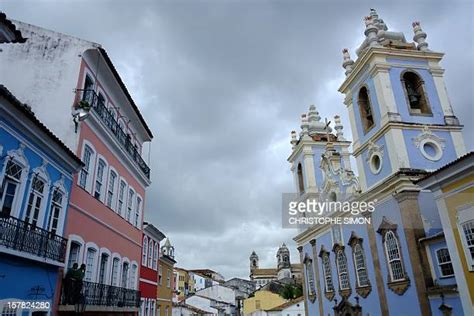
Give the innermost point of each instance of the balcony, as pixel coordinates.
(96, 296)
(19, 235)
(113, 126)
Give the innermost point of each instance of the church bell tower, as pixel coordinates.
(401, 117)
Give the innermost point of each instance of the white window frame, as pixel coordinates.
(78, 240)
(133, 278)
(90, 168)
(18, 157)
(327, 273)
(58, 185)
(465, 214)
(145, 251)
(138, 210)
(93, 273)
(122, 210)
(150, 253)
(108, 267)
(341, 254)
(130, 204)
(389, 261)
(125, 260)
(41, 174)
(358, 269)
(104, 181)
(112, 189)
(118, 258)
(155, 256)
(441, 276)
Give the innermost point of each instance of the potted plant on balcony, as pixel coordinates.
(84, 105)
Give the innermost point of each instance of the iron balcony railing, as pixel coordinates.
(109, 120)
(22, 236)
(96, 294)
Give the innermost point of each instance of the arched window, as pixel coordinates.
(90, 264)
(56, 210)
(35, 200)
(88, 160)
(155, 256)
(10, 186)
(104, 260)
(99, 179)
(115, 270)
(121, 197)
(74, 252)
(365, 109)
(133, 276)
(145, 251)
(138, 207)
(111, 188)
(300, 179)
(341, 263)
(392, 251)
(360, 266)
(131, 194)
(415, 94)
(150, 254)
(327, 273)
(125, 267)
(310, 277)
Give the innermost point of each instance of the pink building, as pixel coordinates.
(76, 90)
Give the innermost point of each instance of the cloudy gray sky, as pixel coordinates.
(222, 84)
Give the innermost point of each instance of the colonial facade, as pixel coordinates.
(152, 237)
(285, 270)
(36, 175)
(166, 280)
(403, 127)
(73, 86)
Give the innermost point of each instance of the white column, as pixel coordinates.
(308, 158)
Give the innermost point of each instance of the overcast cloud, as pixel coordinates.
(222, 84)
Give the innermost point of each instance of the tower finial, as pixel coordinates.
(347, 63)
(371, 31)
(304, 127)
(419, 37)
(294, 139)
(338, 127)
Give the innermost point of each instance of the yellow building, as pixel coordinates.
(165, 288)
(453, 188)
(182, 283)
(264, 299)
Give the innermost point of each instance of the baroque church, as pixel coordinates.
(285, 272)
(405, 261)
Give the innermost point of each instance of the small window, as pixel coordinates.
(121, 197)
(155, 256)
(99, 179)
(168, 278)
(104, 259)
(133, 276)
(115, 270)
(365, 109)
(468, 233)
(125, 268)
(310, 277)
(145, 250)
(160, 275)
(300, 179)
(444, 262)
(131, 194)
(111, 188)
(138, 211)
(87, 157)
(415, 94)
(88, 94)
(150, 254)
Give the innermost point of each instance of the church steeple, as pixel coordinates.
(253, 261)
(399, 110)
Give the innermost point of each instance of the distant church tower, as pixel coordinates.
(253, 261)
(400, 114)
(167, 249)
(283, 262)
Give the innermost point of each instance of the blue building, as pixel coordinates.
(36, 172)
(403, 127)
